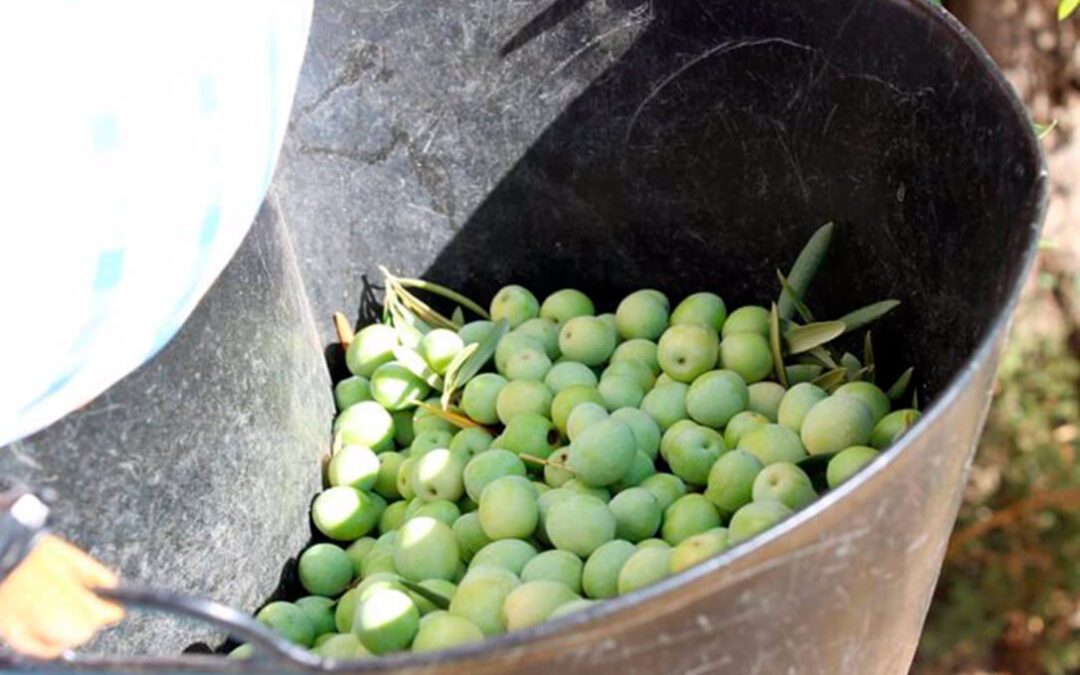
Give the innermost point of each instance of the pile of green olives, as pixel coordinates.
(593, 455)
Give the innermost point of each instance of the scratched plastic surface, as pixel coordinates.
(682, 145)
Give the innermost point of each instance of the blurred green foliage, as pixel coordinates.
(1009, 596)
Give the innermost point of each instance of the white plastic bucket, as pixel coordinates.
(138, 140)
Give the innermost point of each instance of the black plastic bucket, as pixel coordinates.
(679, 145)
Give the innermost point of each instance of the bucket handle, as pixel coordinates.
(268, 646)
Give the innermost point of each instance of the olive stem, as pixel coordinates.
(445, 292)
(396, 286)
(344, 330)
(460, 421)
(545, 462)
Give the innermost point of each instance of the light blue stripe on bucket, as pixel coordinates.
(55, 386)
(110, 266)
(211, 223)
(108, 272)
(207, 95)
(104, 133)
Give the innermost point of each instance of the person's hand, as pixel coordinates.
(46, 605)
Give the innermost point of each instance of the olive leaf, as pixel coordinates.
(862, 373)
(787, 324)
(438, 599)
(445, 292)
(804, 338)
(851, 363)
(774, 345)
(864, 315)
(802, 372)
(823, 355)
(450, 379)
(805, 268)
(896, 391)
(422, 310)
(397, 292)
(458, 317)
(459, 358)
(466, 368)
(800, 306)
(868, 356)
(831, 379)
(417, 366)
(409, 327)
(485, 349)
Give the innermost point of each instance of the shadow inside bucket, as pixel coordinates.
(288, 589)
(706, 155)
(368, 311)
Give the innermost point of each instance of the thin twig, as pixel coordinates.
(1067, 499)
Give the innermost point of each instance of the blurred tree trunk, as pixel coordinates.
(1041, 58)
(1037, 52)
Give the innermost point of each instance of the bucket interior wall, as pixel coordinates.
(701, 155)
(607, 146)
